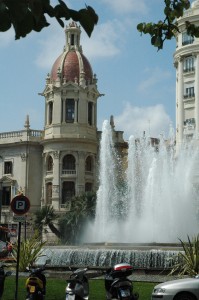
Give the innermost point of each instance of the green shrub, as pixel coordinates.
(30, 251)
(187, 261)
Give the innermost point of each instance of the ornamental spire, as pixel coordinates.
(27, 123)
(73, 33)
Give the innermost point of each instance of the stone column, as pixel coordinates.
(76, 111)
(93, 115)
(56, 181)
(196, 91)
(81, 173)
(180, 104)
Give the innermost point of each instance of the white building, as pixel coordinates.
(186, 61)
(53, 165)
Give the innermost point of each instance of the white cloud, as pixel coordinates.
(127, 6)
(135, 120)
(106, 41)
(153, 77)
(51, 46)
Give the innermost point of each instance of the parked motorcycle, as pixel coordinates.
(117, 283)
(78, 285)
(3, 275)
(36, 284)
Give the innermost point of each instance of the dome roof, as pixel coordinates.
(72, 65)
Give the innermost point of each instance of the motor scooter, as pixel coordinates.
(3, 275)
(36, 283)
(78, 285)
(117, 283)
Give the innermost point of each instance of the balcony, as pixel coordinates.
(68, 172)
(189, 70)
(189, 96)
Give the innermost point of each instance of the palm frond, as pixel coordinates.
(30, 251)
(188, 259)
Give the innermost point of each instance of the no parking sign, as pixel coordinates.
(20, 204)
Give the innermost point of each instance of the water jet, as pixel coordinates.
(141, 219)
(156, 202)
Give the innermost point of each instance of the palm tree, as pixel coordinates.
(46, 216)
(82, 210)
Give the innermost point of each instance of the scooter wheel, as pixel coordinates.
(136, 296)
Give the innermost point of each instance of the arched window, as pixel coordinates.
(69, 162)
(49, 193)
(49, 164)
(89, 164)
(68, 191)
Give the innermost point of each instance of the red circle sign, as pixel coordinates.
(20, 205)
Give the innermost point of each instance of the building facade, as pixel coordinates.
(51, 166)
(186, 61)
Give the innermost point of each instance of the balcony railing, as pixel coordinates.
(23, 135)
(189, 96)
(187, 70)
(68, 172)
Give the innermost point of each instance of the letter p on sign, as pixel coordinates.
(20, 205)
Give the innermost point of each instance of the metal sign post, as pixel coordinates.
(18, 255)
(20, 206)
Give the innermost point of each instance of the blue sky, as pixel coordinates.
(138, 81)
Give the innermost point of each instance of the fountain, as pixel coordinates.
(157, 202)
(153, 202)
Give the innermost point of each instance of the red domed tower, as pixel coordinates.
(70, 133)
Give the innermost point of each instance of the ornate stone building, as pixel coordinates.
(186, 60)
(52, 165)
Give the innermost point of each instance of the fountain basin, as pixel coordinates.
(141, 257)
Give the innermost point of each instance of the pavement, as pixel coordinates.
(138, 276)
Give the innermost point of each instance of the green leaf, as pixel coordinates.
(25, 26)
(140, 27)
(156, 41)
(5, 22)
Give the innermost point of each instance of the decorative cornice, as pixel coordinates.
(24, 156)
